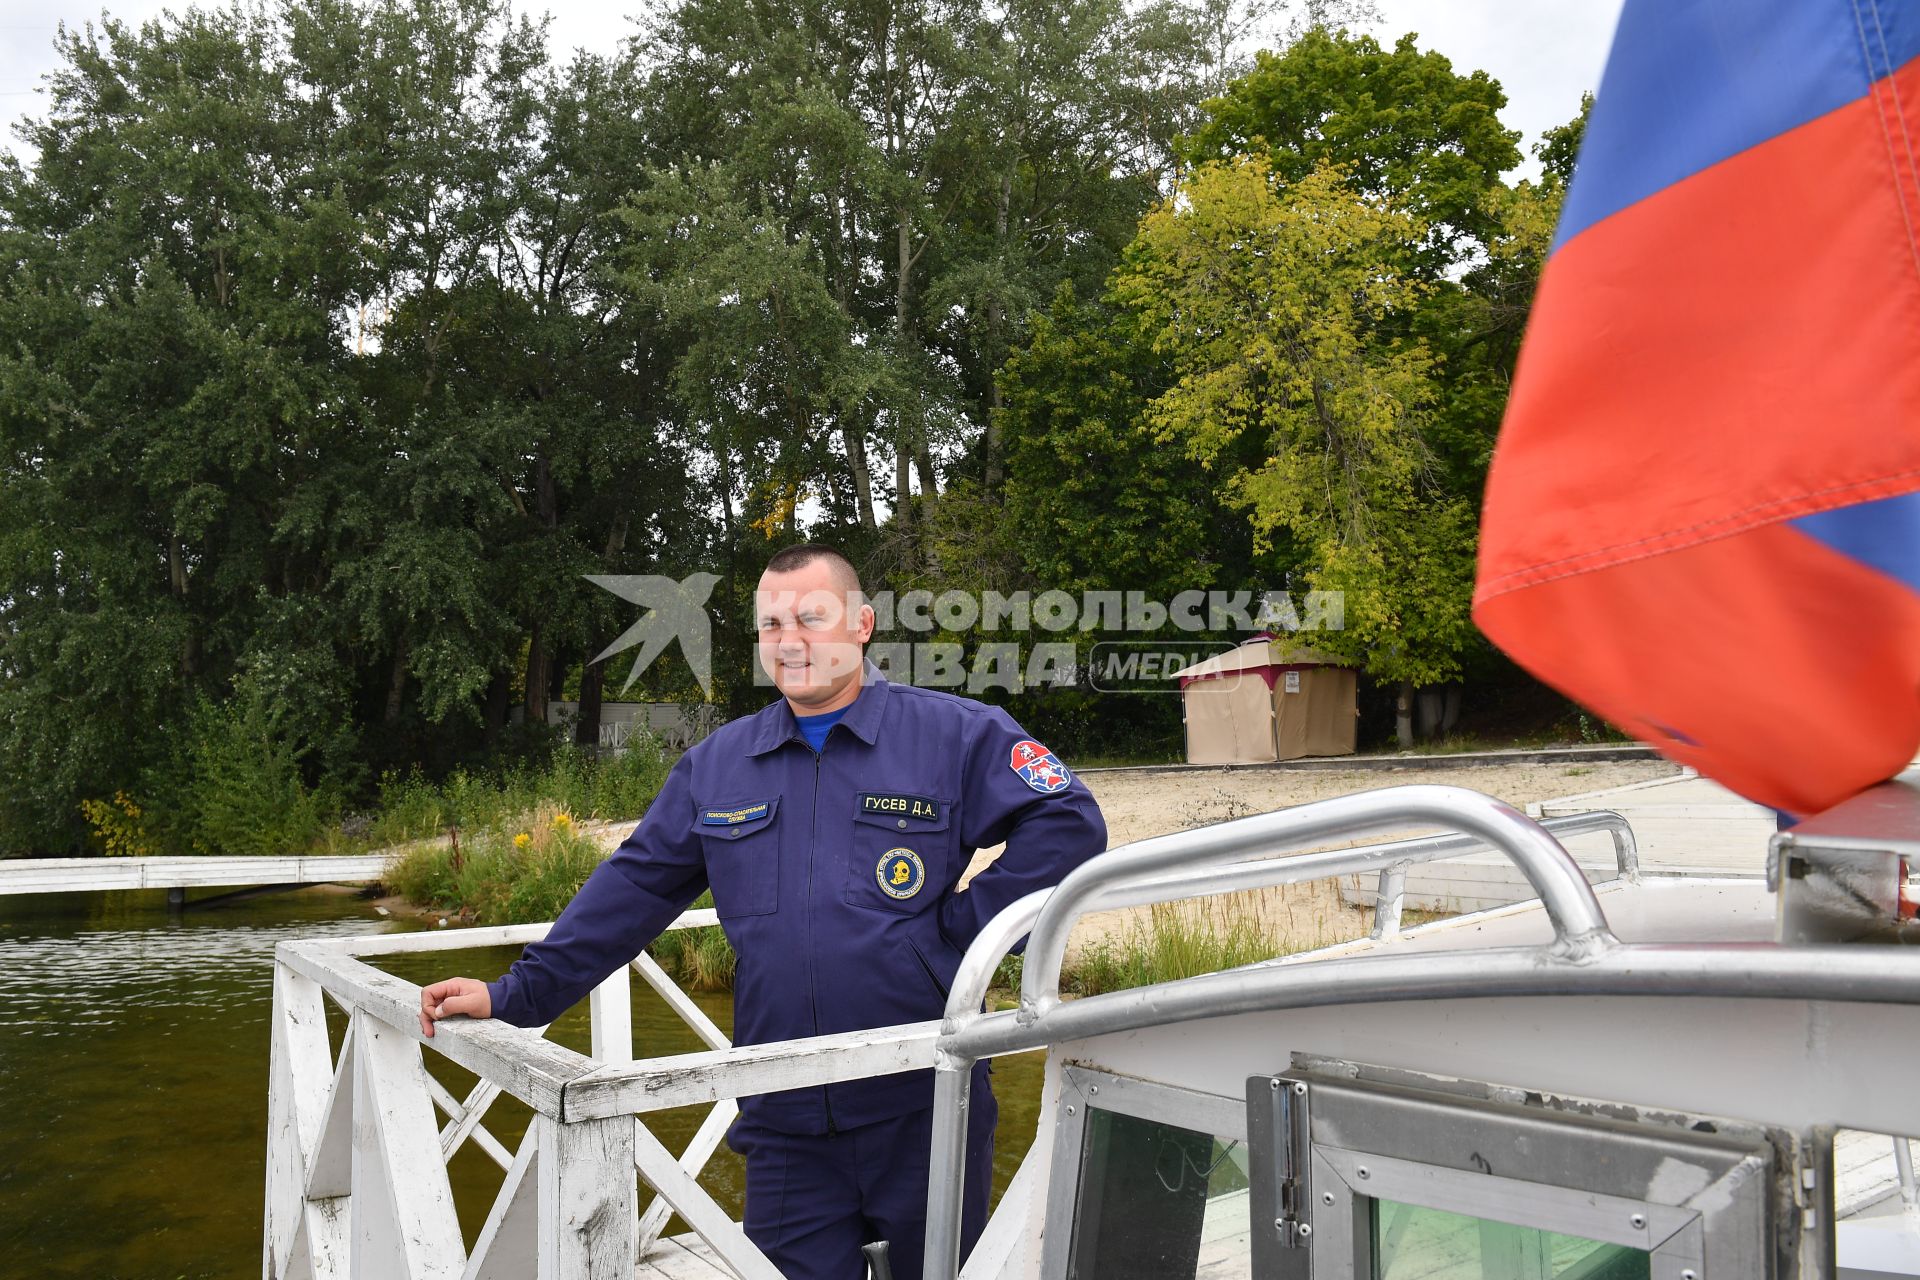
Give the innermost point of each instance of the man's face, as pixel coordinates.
(811, 635)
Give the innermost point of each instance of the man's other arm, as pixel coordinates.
(1047, 834)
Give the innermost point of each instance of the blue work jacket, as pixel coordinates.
(835, 875)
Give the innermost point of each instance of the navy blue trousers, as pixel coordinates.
(813, 1201)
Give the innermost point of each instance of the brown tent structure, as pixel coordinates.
(1268, 700)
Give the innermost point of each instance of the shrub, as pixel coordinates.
(232, 782)
(698, 959)
(572, 780)
(118, 826)
(513, 873)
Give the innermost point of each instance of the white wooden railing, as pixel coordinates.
(358, 1142)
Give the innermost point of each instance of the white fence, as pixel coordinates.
(358, 1141)
(675, 726)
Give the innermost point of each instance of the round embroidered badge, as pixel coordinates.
(900, 873)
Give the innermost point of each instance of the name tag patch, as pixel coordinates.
(900, 806)
(732, 817)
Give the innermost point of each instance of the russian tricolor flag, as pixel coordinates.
(1703, 518)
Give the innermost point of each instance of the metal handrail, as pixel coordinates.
(1167, 867)
(977, 968)
(1578, 924)
(1389, 895)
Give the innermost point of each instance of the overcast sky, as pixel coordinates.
(1544, 52)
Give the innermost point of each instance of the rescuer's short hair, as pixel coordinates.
(799, 556)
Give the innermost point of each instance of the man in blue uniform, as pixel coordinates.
(833, 828)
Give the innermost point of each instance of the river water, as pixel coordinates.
(133, 1080)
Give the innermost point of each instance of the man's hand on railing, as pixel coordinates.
(450, 996)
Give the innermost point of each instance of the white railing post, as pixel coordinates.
(611, 1011)
(298, 1236)
(403, 1220)
(588, 1200)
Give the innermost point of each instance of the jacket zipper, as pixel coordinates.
(813, 997)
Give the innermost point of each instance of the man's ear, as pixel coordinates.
(866, 623)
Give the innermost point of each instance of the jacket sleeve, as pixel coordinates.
(1047, 834)
(621, 908)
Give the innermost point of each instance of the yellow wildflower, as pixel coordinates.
(562, 822)
(522, 841)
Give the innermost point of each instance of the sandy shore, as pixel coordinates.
(1139, 803)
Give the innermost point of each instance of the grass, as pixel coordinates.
(1581, 730)
(526, 869)
(512, 872)
(1173, 941)
(1134, 760)
(573, 781)
(699, 959)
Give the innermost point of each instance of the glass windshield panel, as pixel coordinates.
(1159, 1201)
(1414, 1243)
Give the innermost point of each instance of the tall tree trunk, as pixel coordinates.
(586, 731)
(853, 422)
(854, 436)
(1403, 716)
(996, 466)
(909, 436)
(539, 672)
(997, 344)
(177, 584)
(903, 478)
(494, 714)
(723, 462)
(593, 676)
(396, 685)
(923, 463)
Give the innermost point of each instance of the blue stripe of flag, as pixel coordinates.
(1692, 82)
(1884, 534)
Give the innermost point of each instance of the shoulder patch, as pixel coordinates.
(1038, 767)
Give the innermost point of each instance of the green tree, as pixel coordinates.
(1404, 126)
(311, 376)
(1092, 501)
(1274, 301)
(168, 350)
(940, 169)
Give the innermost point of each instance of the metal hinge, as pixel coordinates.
(1278, 1134)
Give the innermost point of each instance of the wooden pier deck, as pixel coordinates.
(87, 875)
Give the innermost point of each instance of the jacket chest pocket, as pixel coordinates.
(741, 843)
(903, 853)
